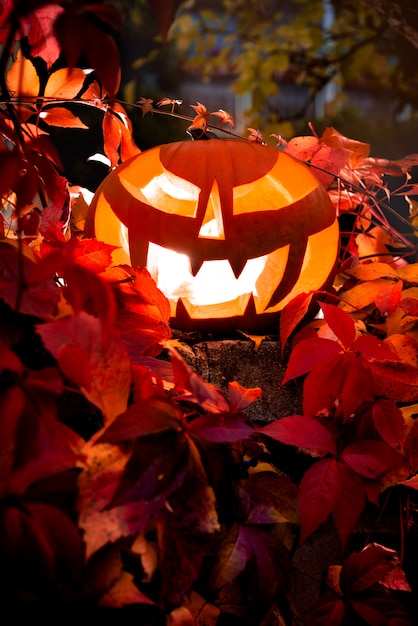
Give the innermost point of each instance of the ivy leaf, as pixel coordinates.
(194, 388)
(350, 503)
(320, 489)
(150, 416)
(293, 312)
(370, 459)
(201, 121)
(301, 432)
(239, 397)
(221, 428)
(340, 323)
(60, 116)
(103, 466)
(322, 387)
(361, 570)
(36, 297)
(389, 422)
(109, 364)
(22, 79)
(309, 354)
(65, 83)
(395, 380)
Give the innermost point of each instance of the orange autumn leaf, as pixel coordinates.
(201, 121)
(22, 79)
(65, 83)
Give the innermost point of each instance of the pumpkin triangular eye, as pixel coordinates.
(212, 223)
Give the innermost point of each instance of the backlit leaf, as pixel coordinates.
(340, 323)
(292, 314)
(309, 354)
(239, 397)
(65, 83)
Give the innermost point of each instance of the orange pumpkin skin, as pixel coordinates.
(230, 230)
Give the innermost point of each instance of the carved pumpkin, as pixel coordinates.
(229, 230)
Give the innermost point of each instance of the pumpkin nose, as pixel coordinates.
(212, 223)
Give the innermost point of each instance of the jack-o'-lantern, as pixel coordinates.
(230, 230)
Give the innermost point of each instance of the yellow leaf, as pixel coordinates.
(371, 271)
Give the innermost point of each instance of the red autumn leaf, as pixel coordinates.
(194, 388)
(87, 291)
(320, 489)
(363, 569)
(109, 363)
(373, 348)
(154, 470)
(239, 397)
(314, 151)
(340, 323)
(292, 314)
(75, 365)
(309, 354)
(143, 311)
(395, 380)
(42, 445)
(389, 422)
(185, 531)
(322, 387)
(388, 297)
(55, 215)
(396, 167)
(19, 286)
(151, 416)
(301, 432)
(396, 580)
(60, 116)
(370, 459)
(356, 151)
(92, 254)
(409, 306)
(220, 428)
(38, 26)
(357, 386)
(350, 503)
(103, 467)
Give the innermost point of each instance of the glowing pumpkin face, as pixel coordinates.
(229, 230)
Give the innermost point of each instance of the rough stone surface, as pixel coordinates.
(220, 362)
